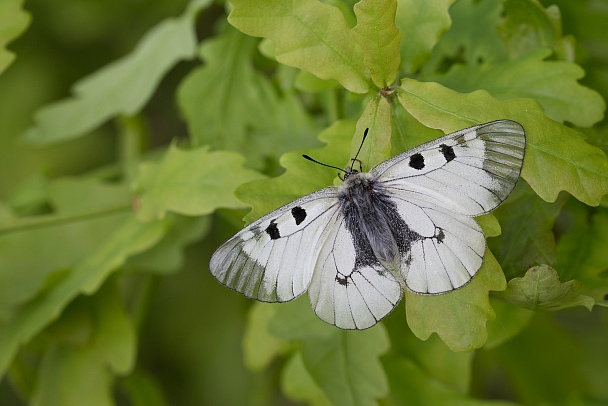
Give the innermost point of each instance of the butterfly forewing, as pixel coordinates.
(273, 259)
(470, 171)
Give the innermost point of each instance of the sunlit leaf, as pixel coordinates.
(302, 38)
(379, 38)
(13, 20)
(191, 182)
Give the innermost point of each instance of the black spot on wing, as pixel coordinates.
(273, 231)
(299, 214)
(448, 152)
(341, 279)
(417, 161)
(440, 236)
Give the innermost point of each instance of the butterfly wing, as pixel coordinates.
(470, 171)
(446, 251)
(437, 187)
(350, 288)
(273, 259)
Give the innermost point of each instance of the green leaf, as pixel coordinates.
(226, 96)
(377, 148)
(191, 182)
(551, 148)
(301, 176)
(302, 38)
(528, 26)
(347, 366)
(459, 318)
(422, 24)
(379, 38)
(122, 87)
(407, 132)
(13, 22)
(142, 389)
(344, 364)
(298, 385)
(582, 254)
(552, 83)
(132, 237)
(540, 288)
(82, 373)
(527, 233)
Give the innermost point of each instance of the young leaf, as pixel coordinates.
(13, 20)
(422, 23)
(459, 318)
(552, 83)
(551, 148)
(308, 35)
(377, 147)
(132, 237)
(540, 288)
(122, 87)
(260, 347)
(379, 38)
(194, 182)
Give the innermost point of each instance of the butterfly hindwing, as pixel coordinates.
(350, 288)
(470, 171)
(447, 250)
(273, 259)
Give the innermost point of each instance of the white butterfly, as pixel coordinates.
(407, 222)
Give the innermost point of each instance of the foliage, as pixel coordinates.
(110, 206)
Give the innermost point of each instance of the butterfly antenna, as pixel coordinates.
(321, 163)
(360, 146)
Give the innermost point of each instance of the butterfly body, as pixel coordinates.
(407, 223)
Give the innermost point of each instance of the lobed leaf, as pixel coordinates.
(551, 148)
(552, 83)
(298, 385)
(379, 38)
(226, 96)
(540, 288)
(308, 35)
(120, 88)
(194, 182)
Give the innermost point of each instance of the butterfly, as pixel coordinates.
(406, 224)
